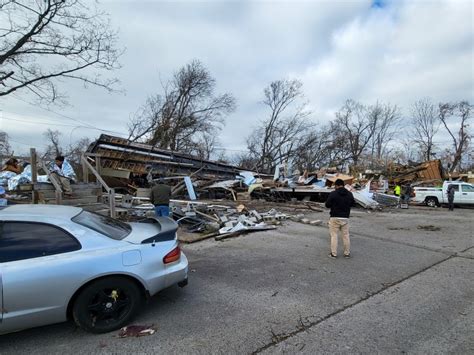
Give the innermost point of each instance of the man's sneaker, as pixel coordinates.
(332, 256)
(347, 256)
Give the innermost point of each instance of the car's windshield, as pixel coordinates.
(107, 226)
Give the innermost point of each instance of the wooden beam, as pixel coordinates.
(97, 164)
(34, 165)
(58, 197)
(96, 174)
(34, 174)
(53, 180)
(85, 171)
(112, 203)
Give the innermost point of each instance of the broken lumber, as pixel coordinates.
(200, 238)
(243, 231)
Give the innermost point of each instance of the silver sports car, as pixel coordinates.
(59, 263)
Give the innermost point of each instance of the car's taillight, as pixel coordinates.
(172, 256)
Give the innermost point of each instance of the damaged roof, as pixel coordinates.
(122, 154)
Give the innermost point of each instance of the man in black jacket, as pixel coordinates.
(160, 197)
(450, 192)
(340, 202)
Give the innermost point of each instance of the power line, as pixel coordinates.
(231, 150)
(44, 123)
(61, 124)
(49, 110)
(65, 116)
(14, 140)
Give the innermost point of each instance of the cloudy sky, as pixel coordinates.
(393, 51)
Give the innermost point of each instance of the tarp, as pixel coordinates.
(24, 178)
(5, 176)
(3, 201)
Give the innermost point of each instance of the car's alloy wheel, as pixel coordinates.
(431, 202)
(107, 304)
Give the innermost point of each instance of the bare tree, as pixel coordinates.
(44, 42)
(424, 126)
(245, 160)
(185, 112)
(277, 137)
(76, 149)
(54, 146)
(317, 148)
(205, 146)
(449, 114)
(5, 149)
(74, 153)
(409, 152)
(384, 118)
(355, 128)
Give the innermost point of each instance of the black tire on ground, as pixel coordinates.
(431, 201)
(107, 304)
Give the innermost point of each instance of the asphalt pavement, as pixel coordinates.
(408, 288)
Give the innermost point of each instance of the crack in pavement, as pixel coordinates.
(408, 244)
(278, 338)
(442, 251)
(465, 256)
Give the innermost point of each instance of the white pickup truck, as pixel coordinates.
(436, 196)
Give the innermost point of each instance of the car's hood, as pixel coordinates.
(155, 229)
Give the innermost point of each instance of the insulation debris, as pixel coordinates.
(136, 331)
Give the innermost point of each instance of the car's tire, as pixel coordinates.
(431, 201)
(107, 304)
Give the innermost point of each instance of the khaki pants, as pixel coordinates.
(336, 225)
(65, 183)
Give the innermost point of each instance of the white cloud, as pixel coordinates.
(340, 49)
(397, 54)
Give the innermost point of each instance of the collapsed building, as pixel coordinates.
(117, 175)
(121, 158)
(122, 167)
(426, 172)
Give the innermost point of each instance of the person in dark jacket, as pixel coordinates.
(450, 192)
(406, 194)
(160, 198)
(340, 202)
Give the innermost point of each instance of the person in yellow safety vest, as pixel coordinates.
(397, 190)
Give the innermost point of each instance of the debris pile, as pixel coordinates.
(131, 168)
(221, 221)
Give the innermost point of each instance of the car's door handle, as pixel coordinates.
(464, 193)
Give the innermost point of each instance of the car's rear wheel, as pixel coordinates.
(107, 304)
(431, 201)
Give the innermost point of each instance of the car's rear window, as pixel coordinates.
(107, 226)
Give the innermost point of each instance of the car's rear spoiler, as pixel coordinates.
(167, 228)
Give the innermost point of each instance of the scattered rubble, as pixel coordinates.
(220, 220)
(136, 331)
(126, 170)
